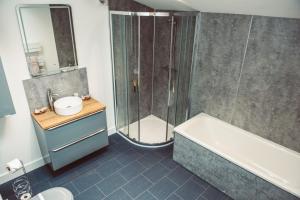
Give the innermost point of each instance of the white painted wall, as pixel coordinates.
(38, 28)
(273, 8)
(91, 29)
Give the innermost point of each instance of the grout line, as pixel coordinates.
(241, 71)
(179, 186)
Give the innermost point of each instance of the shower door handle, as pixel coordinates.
(135, 85)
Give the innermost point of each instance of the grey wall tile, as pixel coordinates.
(64, 84)
(161, 64)
(268, 102)
(63, 36)
(128, 5)
(218, 53)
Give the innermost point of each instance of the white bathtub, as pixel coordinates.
(268, 160)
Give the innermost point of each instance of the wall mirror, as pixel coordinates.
(48, 38)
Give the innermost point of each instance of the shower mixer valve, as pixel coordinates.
(135, 85)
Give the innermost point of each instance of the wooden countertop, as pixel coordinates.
(50, 119)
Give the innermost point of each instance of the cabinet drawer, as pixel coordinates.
(71, 132)
(77, 149)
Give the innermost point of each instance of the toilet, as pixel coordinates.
(57, 193)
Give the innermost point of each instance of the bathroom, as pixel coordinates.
(178, 100)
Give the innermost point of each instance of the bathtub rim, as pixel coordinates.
(181, 130)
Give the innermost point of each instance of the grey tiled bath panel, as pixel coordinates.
(63, 84)
(233, 180)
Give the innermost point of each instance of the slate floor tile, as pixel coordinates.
(63, 177)
(213, 194)
(146, 196)
(86, 180)
(108, 168)
(137, 186)
(70, 186)
(42, 186)
(119, 195)
(132, 170)
(200, 181)
(190, 190)
(129, 177)
(111, 183)
(162, 189)
(174, 197)
(92, 193)
(128, 156)
(156, 172)
(180, 175)
(150, 159)
(169, 163)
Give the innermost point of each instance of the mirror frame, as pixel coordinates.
(25, 45)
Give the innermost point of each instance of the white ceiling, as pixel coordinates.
(275, 8)
(166, 4)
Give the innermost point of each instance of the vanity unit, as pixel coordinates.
(64, 139)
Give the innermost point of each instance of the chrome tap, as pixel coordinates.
(50, 95)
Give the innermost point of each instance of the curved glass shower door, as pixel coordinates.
(146, 66)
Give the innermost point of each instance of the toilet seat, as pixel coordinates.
(57, 193)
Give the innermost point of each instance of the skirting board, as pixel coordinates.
(32, 165)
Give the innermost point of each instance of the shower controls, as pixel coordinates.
(135, 85)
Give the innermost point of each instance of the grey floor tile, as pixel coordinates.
(132, 170)
(190, 190)
(200, 181)
(92, 193)
(42, 186)
(169, 163)
(41, 174)
(108, 168)
(180, 175)
(111, 183)
(146, 196)
(163, 188)
(150, 159)
(213, 194)
(70, 186)
(156, 172)
(155, 162)
(137, 186)
(63, 177)
(118, 195)
(86, 180)
(174, 197)
(128, 156)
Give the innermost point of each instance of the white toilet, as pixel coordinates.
(57, 193)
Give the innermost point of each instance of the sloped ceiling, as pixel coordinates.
(274, 8)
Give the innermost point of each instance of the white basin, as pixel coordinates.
(68, 105)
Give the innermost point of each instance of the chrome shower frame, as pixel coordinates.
(143, 14)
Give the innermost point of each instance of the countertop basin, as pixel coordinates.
(68, 105)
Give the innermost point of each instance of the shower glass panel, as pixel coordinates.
(152, 55)
(183, 51)
(118, 31)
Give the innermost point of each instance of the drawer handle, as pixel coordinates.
(79, 140)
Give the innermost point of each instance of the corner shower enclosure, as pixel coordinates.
(152, 59)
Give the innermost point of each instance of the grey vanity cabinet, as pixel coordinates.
(6, 104)
(66, 143)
